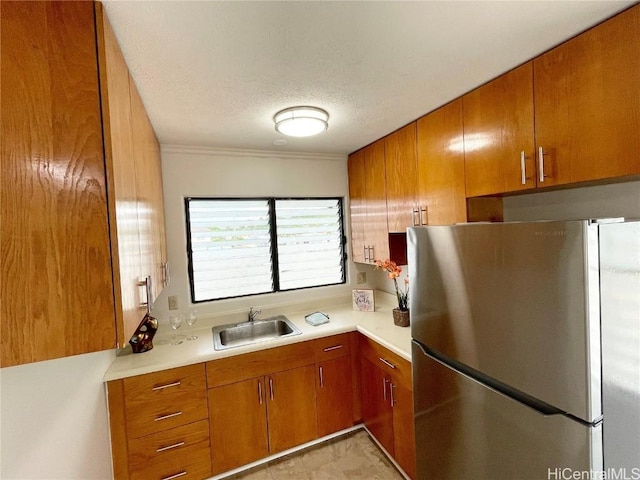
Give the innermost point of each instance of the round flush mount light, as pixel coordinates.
(301, 121)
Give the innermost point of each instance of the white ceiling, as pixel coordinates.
(214, 73)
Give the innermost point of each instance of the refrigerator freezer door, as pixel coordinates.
(516, 301)
(465, 430)
(620, 302)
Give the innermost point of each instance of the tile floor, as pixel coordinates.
(353, 456)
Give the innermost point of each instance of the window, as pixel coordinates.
(240, 247)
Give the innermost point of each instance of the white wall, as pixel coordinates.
(53, 419)
(616, 200)
(237, 173)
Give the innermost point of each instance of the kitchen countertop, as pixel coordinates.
(376, 325)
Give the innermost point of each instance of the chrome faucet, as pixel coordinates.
(253, 314)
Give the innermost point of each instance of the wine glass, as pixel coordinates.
(175, 321)
(191, 319)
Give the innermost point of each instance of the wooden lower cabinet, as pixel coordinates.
(334, 395)
(159, 425)
(387, 402)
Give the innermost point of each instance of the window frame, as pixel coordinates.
(275, 281)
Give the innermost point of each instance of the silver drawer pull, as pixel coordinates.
(164, 417)
(328, 349)
(168, 385)
(387, 363)
(170, 447)
(177, 475)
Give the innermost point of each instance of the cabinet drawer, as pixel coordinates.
(192, 471)
(163, 400)
(181, 445)
(390, 363)
(251, 365)
(331, 347)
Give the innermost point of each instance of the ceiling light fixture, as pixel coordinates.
(301, 121)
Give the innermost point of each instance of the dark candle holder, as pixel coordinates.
(142, 339)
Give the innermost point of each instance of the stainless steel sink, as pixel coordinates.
(239, 334)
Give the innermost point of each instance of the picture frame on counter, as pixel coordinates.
(363, 300)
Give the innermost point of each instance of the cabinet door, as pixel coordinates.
(498, 134)
(238, 423)
(291, 408)
(587, 103)
(376, 233)
(150, 201)
(441, 190)
(121, 175)
(334, 395)
(400, 167)
(403, 428)
(377, 414)
(56, 278)
(357, 205)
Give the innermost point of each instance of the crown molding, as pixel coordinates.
(235, 152)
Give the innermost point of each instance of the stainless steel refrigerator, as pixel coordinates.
(526, 349)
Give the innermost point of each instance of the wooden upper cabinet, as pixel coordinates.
(400, 166)
(357, 205)
(441, 177)
(150, 203)
(499, 149)
(587, 103)
(376, 231)
(121, 175)
(56, 280)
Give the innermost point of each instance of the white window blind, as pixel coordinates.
(309, 242)
(231, 253)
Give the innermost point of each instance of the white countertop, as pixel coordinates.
(376, 325)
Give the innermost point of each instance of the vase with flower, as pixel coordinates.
(400, 314)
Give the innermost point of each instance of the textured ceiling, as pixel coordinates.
(214, 73)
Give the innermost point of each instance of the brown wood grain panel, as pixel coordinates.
(401, 371)
(118, 429)
(400, 166)
(121, 176)
(171, 449)
(403, 429)
(330, 347)
(291, 398)
(354, 341)
(334, 395)
(375, 229)
(56, 282)
(357, 205)
(377, 414)
(441, 182)
(498, 128)
(149, 187)
(255, 364)
(238, 424)
(195, 471)
(183, 400)
(587, 103)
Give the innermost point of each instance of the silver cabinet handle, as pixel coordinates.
(146, 283)
(170, 447)
(541, 163)
(424, 218)
(387, 363)
(260, 392)
(523, 168)
(271, 388)
(384, 388)
(392, 400)
(168, 385)
(416, 217)
(328, 349)
(177, 475)
(166, 279)
(321, 377)
(365, 250)
(165, 417)
(371, 256)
